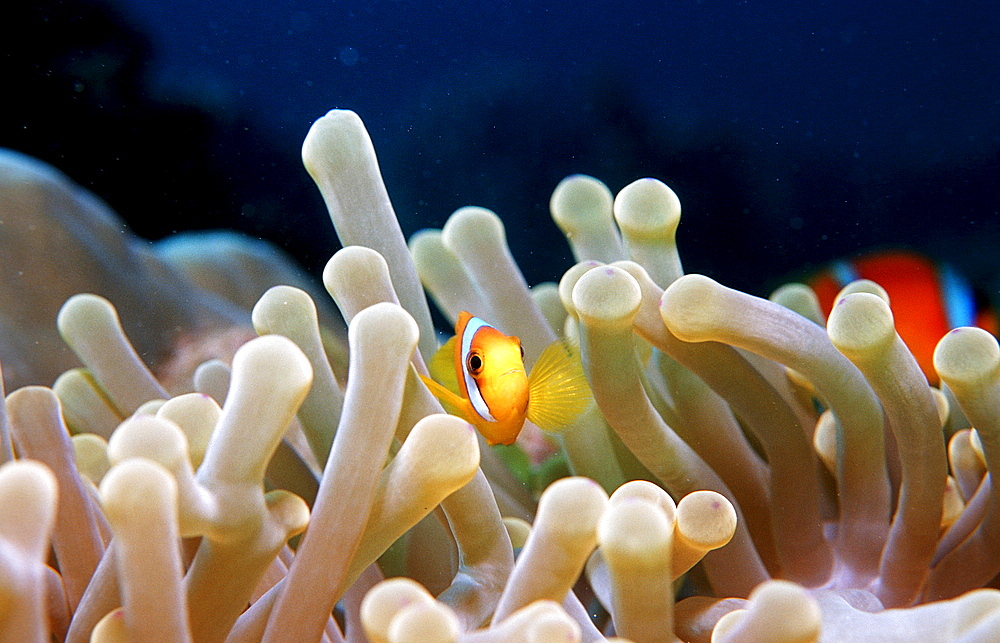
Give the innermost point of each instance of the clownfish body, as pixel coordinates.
(480, 375)
(927, 299)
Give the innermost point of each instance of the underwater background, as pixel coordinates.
(793, 133)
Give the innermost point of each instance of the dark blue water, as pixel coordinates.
(914, 80)
(793, 132)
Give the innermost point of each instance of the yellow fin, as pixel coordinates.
(442, 367)
(558, 389)
(452, 402)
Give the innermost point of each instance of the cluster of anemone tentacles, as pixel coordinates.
(748, 471)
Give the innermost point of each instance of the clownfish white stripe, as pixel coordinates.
(475, 396)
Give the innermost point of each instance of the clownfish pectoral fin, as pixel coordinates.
(453, 403)
(559, 392)
(442, 366)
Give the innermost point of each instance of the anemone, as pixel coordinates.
(748, 471)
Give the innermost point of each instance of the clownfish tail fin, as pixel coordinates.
(558, 389)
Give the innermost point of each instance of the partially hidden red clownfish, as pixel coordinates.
(927, 299)
(480, 376)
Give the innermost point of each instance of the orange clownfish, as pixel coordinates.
(927, 299)
(483, 380)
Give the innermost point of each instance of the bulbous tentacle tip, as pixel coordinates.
(470, 225)
(684, 305)
(861, 324)
(607, 295)
(335, 127)
(579, 200)
(647, 208)
(28, 495)
(966, 355)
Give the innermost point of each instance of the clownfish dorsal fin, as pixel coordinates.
(559, 392)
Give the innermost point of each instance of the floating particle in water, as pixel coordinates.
(349, 56)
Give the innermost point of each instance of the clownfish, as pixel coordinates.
(480, 376)
(927, 299)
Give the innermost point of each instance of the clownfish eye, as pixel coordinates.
(475, 363)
